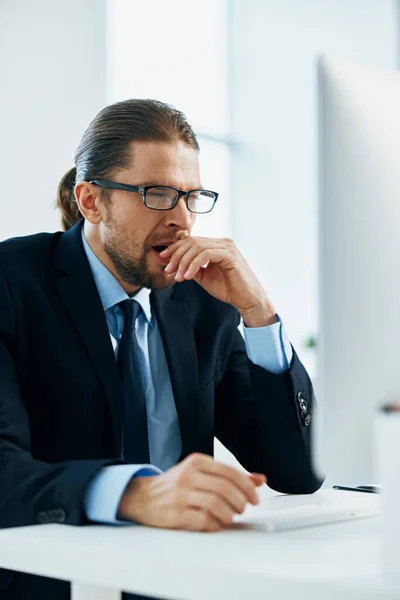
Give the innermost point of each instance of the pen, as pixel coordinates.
(372, 489)
(391, 407)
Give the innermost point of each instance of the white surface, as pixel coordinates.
(388, 431)
(275, 44)
(240, 563)
(82, 591)
(52, 69)
(360, 251)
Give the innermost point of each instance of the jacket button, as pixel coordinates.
(61, 515)
(54, 515)
(307, 420)
(43, 517)
(301, 398)
(302, 404)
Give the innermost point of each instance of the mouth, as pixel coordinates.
(160, 248)
(156, 251)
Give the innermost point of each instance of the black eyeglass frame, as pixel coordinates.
(143, 189)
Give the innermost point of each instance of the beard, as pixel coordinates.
(129, 258)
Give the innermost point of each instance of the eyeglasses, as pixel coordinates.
(164, 197)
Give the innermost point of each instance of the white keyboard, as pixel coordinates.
(325, 506)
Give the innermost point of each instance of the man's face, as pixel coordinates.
(129, 230)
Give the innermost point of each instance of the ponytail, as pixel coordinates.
(65, 201)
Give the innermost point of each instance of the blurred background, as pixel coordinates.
(243, 71)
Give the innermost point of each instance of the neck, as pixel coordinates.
(92, 236)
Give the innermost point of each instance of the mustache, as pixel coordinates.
(164, 239)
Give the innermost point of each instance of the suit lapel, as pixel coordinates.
(79, 293)
(176, 328)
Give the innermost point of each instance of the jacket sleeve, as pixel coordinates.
(32, 491)
(260, 419)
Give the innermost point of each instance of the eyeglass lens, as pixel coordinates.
(162, 198)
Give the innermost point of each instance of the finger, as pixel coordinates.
(241, 480)
(185, 261)
(214, 504)
(218, 256)
(173, 247)
(198, 261)
(176, 256)
(199, 520)
(227, 491)
(258, 478)
(197, 464)
(176, 253)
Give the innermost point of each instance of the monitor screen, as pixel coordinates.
(359, 261)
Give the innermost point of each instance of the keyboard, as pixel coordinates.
(282, 512)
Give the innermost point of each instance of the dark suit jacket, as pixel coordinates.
(61, 400)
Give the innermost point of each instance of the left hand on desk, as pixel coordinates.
(227, 276)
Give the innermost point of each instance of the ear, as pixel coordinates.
(88, 198)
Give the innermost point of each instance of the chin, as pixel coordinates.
(162, 281)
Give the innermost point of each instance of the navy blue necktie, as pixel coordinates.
(136, 441)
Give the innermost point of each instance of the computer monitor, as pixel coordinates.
(359, 341)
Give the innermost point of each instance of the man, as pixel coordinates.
(120, 356)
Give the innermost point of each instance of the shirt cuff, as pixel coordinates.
(268, 347)
(103, 495)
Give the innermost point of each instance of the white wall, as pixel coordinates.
(191, 76)
(52, 74)
(273, 106)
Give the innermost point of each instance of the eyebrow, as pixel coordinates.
(158, 184)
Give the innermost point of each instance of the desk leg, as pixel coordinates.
(83, 591)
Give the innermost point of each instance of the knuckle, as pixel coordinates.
(239, 501)
(238, 498)
(214, 503)
(183, 521)
(183, 478)
(197, 261)
(224, 513)
(233, 495)
(243, 499)
(227, 518)
(203, 520)
(242, 482)
(177, 498)
(195, 460)
(183, 266)
(223, 488)
(173, 518)
(186, 520)
(230, 472)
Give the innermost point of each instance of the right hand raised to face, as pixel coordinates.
(198, 494)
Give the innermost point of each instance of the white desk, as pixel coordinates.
(325, 563)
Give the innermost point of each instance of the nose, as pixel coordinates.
(180, 217)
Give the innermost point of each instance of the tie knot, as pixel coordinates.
(131, 310)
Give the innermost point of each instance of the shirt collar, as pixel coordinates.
(110, 290)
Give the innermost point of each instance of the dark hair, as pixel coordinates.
(105, 145)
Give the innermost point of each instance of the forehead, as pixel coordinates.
(175, 164)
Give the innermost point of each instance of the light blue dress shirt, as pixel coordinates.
(268, 347)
